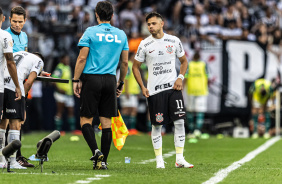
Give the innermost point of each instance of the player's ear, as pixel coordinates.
(3, 19)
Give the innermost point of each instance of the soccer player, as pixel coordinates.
(129, 98)
(17, 21)
(28, 67)
(259, 94)
(163, 91)
(64, 94)
(100, 49)
(6, 52)
(196, 80)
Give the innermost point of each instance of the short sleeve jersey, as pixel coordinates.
(26, 63)
(20, 40)
(105, 44)
(160, 57)
(6, 46)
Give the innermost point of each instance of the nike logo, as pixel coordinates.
(180, 115)
(151, 51)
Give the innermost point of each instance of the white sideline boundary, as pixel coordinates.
(221, 174)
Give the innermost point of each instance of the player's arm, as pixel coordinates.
(178, 85)
(80, 64)
(123, 69)
(136, 72)
(13, 73)
(28, 83)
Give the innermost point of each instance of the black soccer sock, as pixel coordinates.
(106, 141)
(89, 136)
(19, 153)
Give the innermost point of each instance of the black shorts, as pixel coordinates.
(1, 104)
(13, 109)
(98, 96)
(166, 106)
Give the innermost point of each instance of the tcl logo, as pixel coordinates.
(108, 37)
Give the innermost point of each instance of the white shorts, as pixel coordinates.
(132, 101)
(196, 103)
(66, 99)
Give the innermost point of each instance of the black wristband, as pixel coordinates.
(75, 80)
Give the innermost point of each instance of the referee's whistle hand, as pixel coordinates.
(18, 94)
(77, 89)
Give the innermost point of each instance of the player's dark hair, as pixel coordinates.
(18, 10)
(1, 11)
(105, 10)
(153, 14)
(39, 55)
(197, 56)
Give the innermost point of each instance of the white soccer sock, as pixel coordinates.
(156, 137)
(13, 135)
(2, 143)
(179, 138)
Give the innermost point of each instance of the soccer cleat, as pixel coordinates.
(160, 164)
(183, 163)
(24, 162)
(16, 165)
(97, 159)
(104, 166)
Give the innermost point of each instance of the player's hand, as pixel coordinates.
(178, 85)
(145, 92)
(18, 93)
(45, 74)
(77, 88)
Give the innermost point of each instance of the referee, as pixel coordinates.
(100, 49)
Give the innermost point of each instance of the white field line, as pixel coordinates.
(167, 155)
(47, 174)
(221, 174)
(89, 180)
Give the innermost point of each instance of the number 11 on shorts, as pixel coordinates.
(179, 104)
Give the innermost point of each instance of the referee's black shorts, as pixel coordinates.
(98, 95)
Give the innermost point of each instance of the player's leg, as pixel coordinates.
(267, 124)
(190, 115)
(106, 141)
(58, 118)
(255, 113)
(69, 103)
(177, 115)
(14, 134)
(133, 114)
(158, 109)
(200, 108)
(3, 127)
(90, 95)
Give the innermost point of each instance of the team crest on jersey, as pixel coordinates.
(159, 117)
(169, 49)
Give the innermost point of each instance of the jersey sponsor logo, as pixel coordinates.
(159, 117)
(162, 86)
(169, 40)
(169, 49)
(151, 51)
(11, 110)
(5, 43)
(7, 80)
(161, 53)
(108, 37)
(149, 43)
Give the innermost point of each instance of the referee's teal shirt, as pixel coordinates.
(20, 40)
(105, 44)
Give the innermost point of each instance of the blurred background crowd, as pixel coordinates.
(55, 26)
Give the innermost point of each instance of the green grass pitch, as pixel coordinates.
(69, 162)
